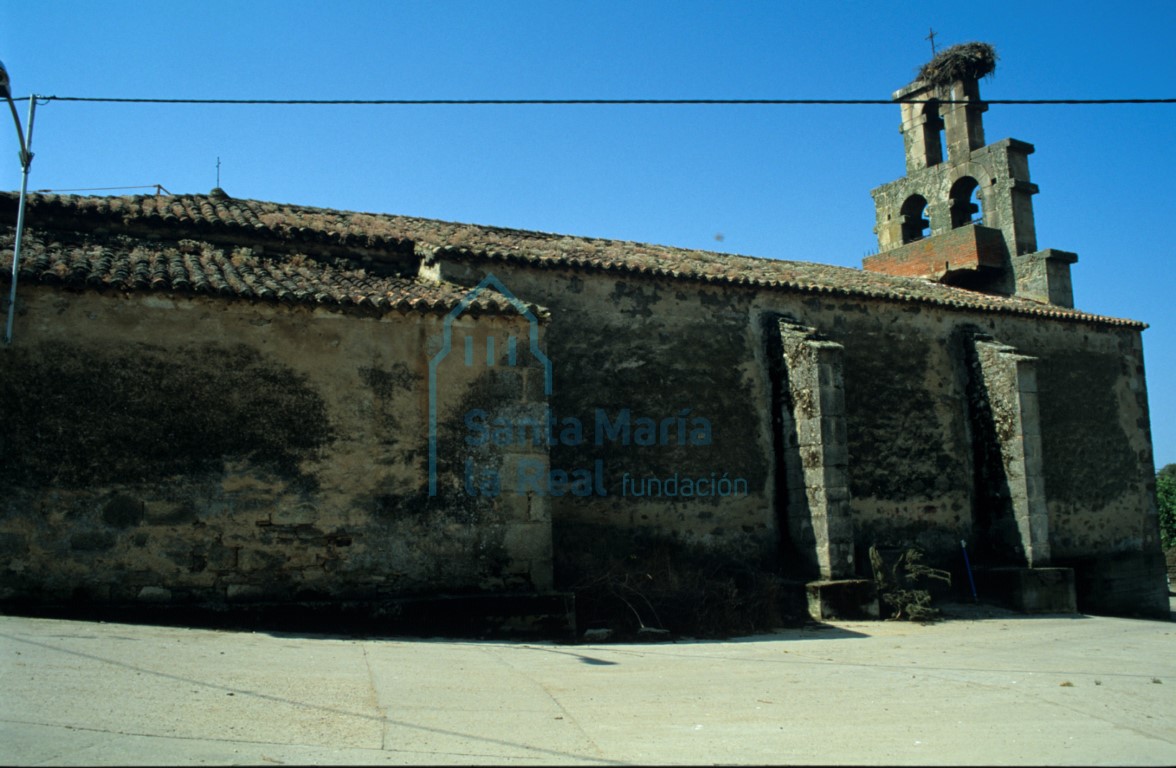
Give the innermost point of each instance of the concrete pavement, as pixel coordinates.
(988, 687)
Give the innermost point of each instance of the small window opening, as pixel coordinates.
(915, 225)
(933, 133)
(966, 204)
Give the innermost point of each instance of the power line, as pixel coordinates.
(590, 102)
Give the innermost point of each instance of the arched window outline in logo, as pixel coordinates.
(489, 281)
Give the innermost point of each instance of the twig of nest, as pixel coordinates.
(960, 62)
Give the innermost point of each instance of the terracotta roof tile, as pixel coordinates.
(204, 218)
(118, 262)
(555, 251)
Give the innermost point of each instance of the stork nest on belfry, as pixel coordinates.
(966, 60)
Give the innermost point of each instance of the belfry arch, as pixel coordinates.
(915, 223)
(964, 210)
(965, 202)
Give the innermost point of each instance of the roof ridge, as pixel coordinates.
(408, 239)
(954, 297)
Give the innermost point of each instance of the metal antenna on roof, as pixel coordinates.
(931, 37)
(218, 172)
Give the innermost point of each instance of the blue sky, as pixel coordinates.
(785, 182)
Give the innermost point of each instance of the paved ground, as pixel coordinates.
(987, 688)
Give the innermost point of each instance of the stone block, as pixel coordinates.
(244, 593)
(122, 511)
(842, 599)
(1029, 590)
(1030, 413)
(296, 514)
(840, 528)
(1031, 445)
(836, 455)
(805, 404)
(836, 494)
(92, 541)
(809, 431)
(811, 456)
(832, 402)
(154, 595)
(1026, 375)
(520, 472)
(528, 541)
(300, 558)
(221, 558)
(830, 374)
(253, 560)
(835, 476)
(836, 433)
(825, 430)
(815, 499)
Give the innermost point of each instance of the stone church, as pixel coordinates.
(211, 401)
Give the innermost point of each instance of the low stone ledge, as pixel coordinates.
(1029, 590)
(842, 599)
(154, 595)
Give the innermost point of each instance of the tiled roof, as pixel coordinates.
(219, 219)
(216, 215)
(771, 274)
(119, 262)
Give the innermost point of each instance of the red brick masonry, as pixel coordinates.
(964, 248)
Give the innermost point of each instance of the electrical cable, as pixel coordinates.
(592, 102)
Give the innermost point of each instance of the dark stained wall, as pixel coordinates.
(657, 347)
(673, 354)
(202, 450)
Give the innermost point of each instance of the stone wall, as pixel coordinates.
(914, 477)
(647, 367)
(1098, 469)
(910, 466)
(913, 466)
(203, 450)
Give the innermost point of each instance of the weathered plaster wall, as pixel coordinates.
(179, 449)
(161, 448)
(1098, 466)
(672, 353)
(910, 475)
(911, 443)
(619, 341)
